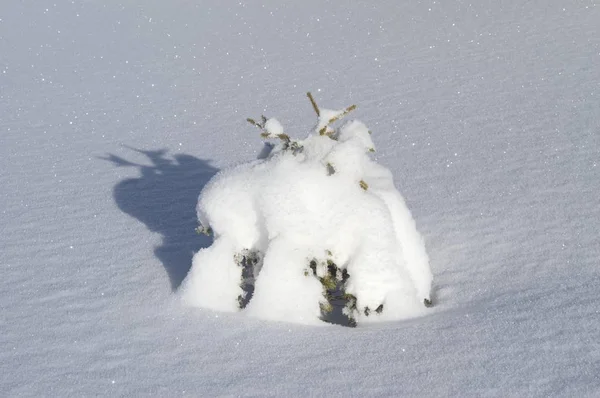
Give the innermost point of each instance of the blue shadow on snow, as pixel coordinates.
(164, 198)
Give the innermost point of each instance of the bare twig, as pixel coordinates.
(314, 104)
(265, 134)
(349, 109)
(255, 123)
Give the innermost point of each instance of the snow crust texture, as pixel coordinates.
(114, 114)
(322, 199)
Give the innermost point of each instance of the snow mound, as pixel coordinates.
(315, 223)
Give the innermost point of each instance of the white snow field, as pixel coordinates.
(115, 114)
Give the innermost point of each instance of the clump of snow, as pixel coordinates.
(318, 215)
(273, 127)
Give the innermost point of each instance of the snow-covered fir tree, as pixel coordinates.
(315, 224)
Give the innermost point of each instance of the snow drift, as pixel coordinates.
(316, 220)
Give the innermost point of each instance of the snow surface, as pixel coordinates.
(114, 115)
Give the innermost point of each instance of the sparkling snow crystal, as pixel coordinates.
(314, 224)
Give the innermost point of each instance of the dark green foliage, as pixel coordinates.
(250, 262)
(292, 146)
(313, 267)
(202, 230)
(345, 275)
(338, 306)
(330, 169)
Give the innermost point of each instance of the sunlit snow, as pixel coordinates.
(115, 115)
(322, 198)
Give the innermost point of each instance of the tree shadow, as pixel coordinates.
(164, 198)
